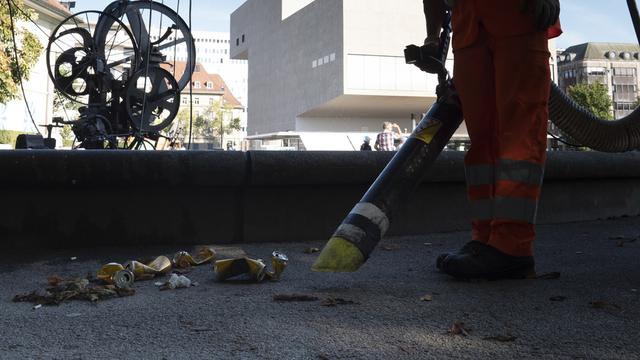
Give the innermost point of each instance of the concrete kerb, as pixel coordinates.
(84, 198)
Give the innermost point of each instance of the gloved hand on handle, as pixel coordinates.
(545, 13)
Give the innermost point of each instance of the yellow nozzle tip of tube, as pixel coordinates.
(339, 255)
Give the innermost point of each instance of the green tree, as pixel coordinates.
(219, 111)
(208, 124)
(29, 48)
(594, 97)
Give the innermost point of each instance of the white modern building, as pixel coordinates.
(213, 52)
(39, 88)
(330, 67)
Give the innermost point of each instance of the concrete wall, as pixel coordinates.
(88, 198)
(375, 34)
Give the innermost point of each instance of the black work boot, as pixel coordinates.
(478, 260)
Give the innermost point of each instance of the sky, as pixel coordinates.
(582, 20)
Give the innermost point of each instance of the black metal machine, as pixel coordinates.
(113, 64)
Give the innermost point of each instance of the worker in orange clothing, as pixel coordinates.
(502, 75)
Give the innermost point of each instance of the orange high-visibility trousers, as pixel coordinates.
(501, 72)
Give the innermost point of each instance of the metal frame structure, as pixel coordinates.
(110, 64)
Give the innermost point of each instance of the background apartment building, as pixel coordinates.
(209, 93)
(612, 64)
(213, 52)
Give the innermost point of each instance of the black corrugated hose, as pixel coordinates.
(618, 135)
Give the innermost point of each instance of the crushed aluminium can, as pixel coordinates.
(161, 265)
(279, 262)
(116, 274)
(183, 259)
(250, 270)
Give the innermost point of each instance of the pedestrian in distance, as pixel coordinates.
(386, 139)
(365, 144)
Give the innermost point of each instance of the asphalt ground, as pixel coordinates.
(591, 311)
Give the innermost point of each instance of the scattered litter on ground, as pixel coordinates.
(294, 297)
(428, 244)
(250, 270)
(176, 282)
(76, 289)
(123, 275)
(549, 276)
(579, 252)
(558, 298)
(311, 250)
(501, 338)
(74, 315)
(459, 328)
(74, 258)
(634, 290)
(390, 247)
(337, 301)
(603, 305)
(427, 297)
(37, 307)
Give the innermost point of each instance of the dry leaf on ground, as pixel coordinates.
(458, 328)
(549, 276)
(337, 301)
(603, 305)
(76, 289)
(501, 338)
(294, 297)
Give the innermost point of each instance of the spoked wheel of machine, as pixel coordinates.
(84, 70)
(158, 30)
(152, 101)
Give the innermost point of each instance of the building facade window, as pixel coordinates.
(196, 85)
(196, 100)
(625, 71)
(625, 106)
(624, 88)
(594, 70)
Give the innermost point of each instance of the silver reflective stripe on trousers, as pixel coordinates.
(505, 208)
(513, 170)
(374, 214)
(521, 171)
